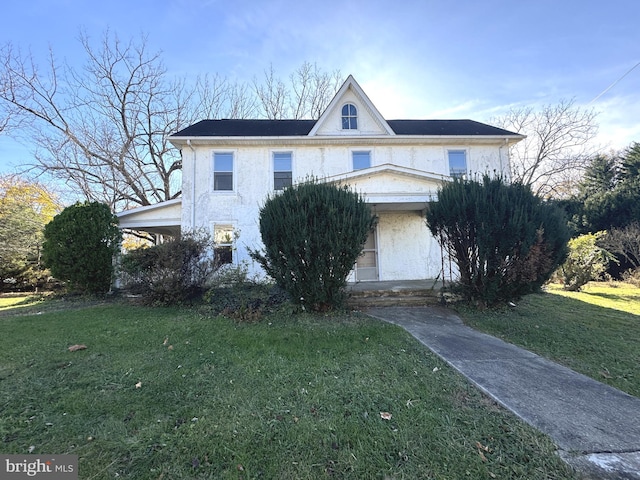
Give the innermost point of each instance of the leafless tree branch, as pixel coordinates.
(557, 148)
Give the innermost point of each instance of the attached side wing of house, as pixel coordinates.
(163, 218)
(230, 167)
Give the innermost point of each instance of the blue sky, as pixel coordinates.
(415, 59)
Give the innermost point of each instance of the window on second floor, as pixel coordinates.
(282, 172)
(223, 243)
(223, 171)
(457, 163)
(349, 117)
(361, 159)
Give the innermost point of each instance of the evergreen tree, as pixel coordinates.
(600, 176)
(610, 191)
(79, 245)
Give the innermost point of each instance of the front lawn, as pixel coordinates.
(595, 332)
(168, 393)
(12, 301)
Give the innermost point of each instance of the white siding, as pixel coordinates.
(406, 249)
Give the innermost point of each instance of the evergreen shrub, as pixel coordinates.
(313, 233)
(504, 240)
(79, 246)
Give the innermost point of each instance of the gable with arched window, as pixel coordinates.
(349, 117)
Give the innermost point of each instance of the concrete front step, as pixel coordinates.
(392, 300)
(406, 293)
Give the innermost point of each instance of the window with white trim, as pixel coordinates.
(349, 117)
(223, 243)
(223, 171)
(457, 163)
(282, 172)
(361, 159)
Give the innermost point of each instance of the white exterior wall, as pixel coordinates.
(405, 249)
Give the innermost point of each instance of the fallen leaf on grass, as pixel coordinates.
(385, 415)
(482, 448)
(605, 373)
(75, 348)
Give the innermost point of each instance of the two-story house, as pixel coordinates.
(230, 167)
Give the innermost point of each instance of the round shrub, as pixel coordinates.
(79, 245)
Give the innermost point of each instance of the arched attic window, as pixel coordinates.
(349, 117)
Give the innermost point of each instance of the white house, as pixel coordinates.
(231, 166)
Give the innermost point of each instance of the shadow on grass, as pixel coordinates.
(611, 296)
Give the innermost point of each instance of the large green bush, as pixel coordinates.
(505, 240)
(171, 273)
(79, 245)
(312, 234)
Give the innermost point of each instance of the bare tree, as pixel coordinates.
(624, 242)
(272, 95)
(103, 129)
(556, 148)
(240, 102)
(309, 92)
(312, 90)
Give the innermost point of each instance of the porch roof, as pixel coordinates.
(162, 218)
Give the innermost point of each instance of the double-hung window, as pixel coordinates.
(457, 163)
(223, 171)
(349, 117)
(282, 172)
(223, 243)
(361, 159)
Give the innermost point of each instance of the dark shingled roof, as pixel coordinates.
(445, 127)
(288, 128)
(247, 128)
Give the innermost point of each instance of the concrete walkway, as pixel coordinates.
(596, 427)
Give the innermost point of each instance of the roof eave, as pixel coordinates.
(341, 139)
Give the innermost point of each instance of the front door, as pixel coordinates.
(367, 263)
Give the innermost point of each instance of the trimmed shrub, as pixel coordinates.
(312, 234)
(79, 245)
(505, 240)
(171, 273)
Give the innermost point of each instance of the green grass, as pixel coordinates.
(287, 398)
(616, 295)
(8, 301)
(595, 332)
